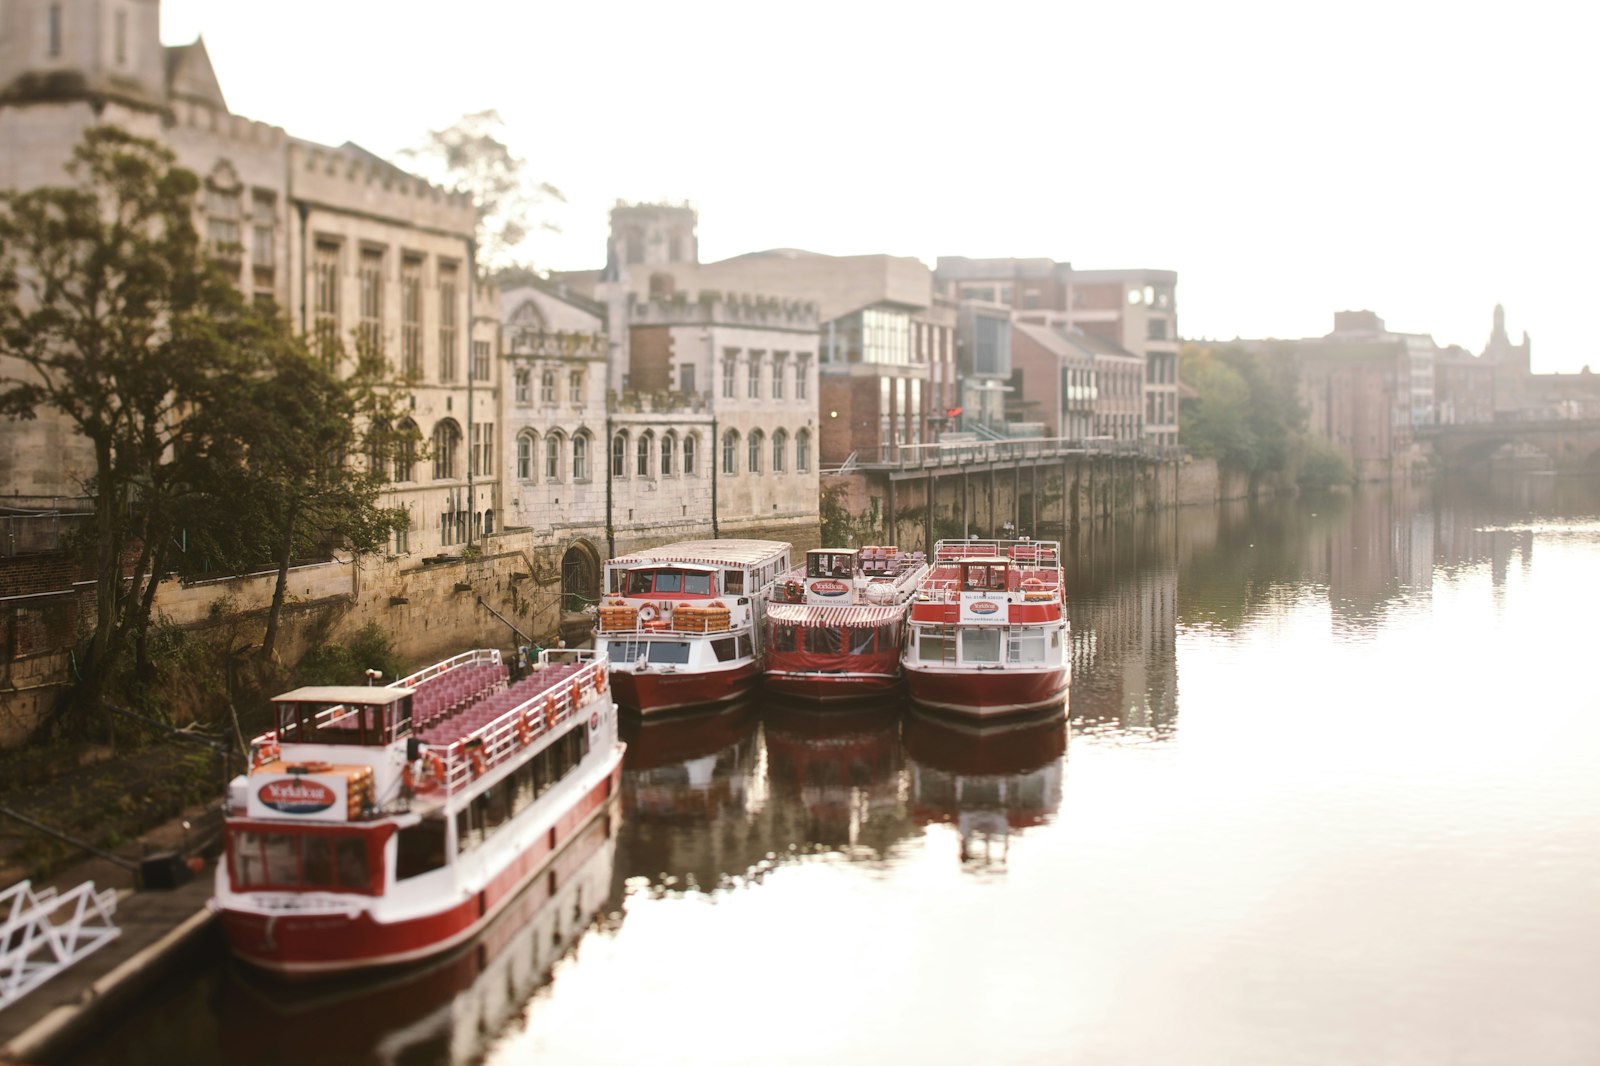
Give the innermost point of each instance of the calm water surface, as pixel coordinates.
(1328, 792)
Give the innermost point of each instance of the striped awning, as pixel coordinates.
(854, 616)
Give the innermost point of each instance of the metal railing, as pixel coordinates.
(44, 933)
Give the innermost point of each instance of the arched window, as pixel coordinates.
(446, 445)
(488, 521)
(669, 445)
(802, 450)
(405, 451)
(757, 440)
(730, 452)
(690, 444)
(547, 387)
(619, 454)
(552, 456)
(524, 379)
(780, 444)
(580, 457)
(527, 449)
(641, 463)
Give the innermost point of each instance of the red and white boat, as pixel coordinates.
(835, 626)
(988, 629)
(681, 623)
(383, 825)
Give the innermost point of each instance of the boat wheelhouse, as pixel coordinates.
(383, 825)
(835, 626)
(681, 624)
(988, 629)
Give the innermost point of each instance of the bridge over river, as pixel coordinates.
(1572, 445)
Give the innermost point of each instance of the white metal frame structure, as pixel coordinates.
(44, 933)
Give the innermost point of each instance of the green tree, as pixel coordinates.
(114, 317)
(471, 156)
(1245, 411)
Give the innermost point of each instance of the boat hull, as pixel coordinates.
(322, 944)
(810, 687)
(659, 692)
(987, 693)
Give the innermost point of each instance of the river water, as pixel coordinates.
(1328, 791)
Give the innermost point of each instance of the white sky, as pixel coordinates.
(1423, 160)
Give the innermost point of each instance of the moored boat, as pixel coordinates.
(681, 624)
(384, 825)
(835, 626)
(987, 629)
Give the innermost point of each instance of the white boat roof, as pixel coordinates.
(346, 694)
(707, 552)
(851, 614)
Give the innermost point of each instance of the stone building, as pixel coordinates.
(342, 241)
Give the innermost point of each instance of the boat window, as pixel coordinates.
(888, 637)
(817, 564)
(497, 805)
(469, 830)
(352, 853)
(697, 584)
(782, 637)
(723, 647)
(822, 641)
(1026, 646)
(861, 641)
(980, 645)
(542, 775)
(746, 649)
(733, 582)
(282, 863)
(669, 581)
(933, 646)
(419, 848)
(316, 862)
(640, 582)
(669, 651)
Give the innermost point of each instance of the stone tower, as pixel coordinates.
(1512, 363)
(646, 236)
(97, 52)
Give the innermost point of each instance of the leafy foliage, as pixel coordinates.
(1246, 412)
(1323, 466)
(347, 662)
(470, 156)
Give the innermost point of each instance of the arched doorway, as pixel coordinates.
(580, 578)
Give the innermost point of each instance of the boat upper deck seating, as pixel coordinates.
(488, 706)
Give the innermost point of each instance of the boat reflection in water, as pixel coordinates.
(688, 783)
(987, 779)
(839, 771)
(451, 1011)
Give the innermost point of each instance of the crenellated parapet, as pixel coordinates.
(228, 128)
(713, 308)
(350, 178)
(534, 343)
(634, 402)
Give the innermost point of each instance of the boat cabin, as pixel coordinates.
(680, 580)
(991, 574)
(349, 715)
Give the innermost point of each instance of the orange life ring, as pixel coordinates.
(647, 613)
(408, 781)
(314, 767)
(475, 759)
(267, 752)
(599, 678)
(549, 711)
(575, 693)
(524, 731)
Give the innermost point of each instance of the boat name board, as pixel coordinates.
(983, 608)
(309, 797)
(829, 587)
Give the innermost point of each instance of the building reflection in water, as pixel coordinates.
(837, 773)
(1123, 605)
(989, 780)
(449, 1011)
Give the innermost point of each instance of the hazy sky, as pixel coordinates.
(1424, 160)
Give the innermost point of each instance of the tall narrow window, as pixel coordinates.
(263, 245)
(481, 351)
(642, 459)
(527, 448)
(547, 387)
(524, 384)
(405, 452)
(222, 222)
(619, 455)
(447, 322)
(580, 457)
(727, 377)
(446, 441)
(668, 446)
(688, 453)
(780, 366)
(370, 329)
(55, 30)
(752, 383)
(552, 457)
(575, 386)
(411, 317)
(802, 377)
(753, 460)
(480, 457)
(780, 444)
(730, 452)
(802, 450)
(325, 298)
